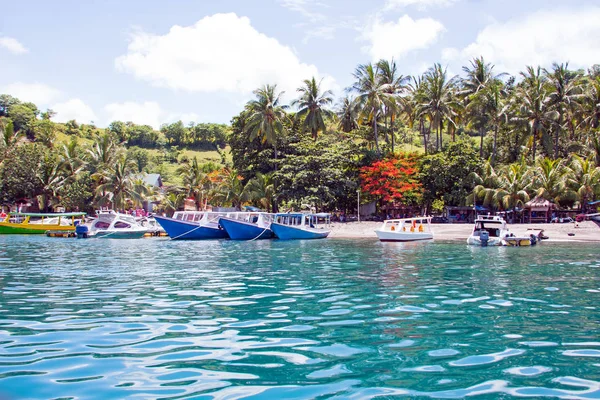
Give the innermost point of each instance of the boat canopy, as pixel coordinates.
(71, 214)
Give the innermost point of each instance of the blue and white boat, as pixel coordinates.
(193, 225)
(248, 226)
(301, 226)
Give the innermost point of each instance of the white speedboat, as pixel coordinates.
(492, 230)
(405, 230)
(111, 225)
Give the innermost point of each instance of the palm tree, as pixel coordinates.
(534, 104)
(584, 180)
(50, 178)
(193, 179)
(347, 115)
(565, 91)
(261, 190)
(372, 95)
(486, 186)
(438, 99)
(312, 105)
(549, 179)
(8, 137)
(414, 111)
(70, 158)
(513, 184)
(591, 105)
(232, 191)
(396, 86)
(118, 182)
(173, 202)
(475, 86)
(266, 116)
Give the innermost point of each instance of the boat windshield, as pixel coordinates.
(492, 228)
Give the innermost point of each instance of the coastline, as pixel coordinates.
(585, 232)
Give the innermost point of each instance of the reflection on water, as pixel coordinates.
(267, 319)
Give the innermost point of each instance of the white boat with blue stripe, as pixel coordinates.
(290, 226)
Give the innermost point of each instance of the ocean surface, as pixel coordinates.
(344, 319)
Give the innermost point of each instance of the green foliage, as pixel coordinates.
(323, 173)
(19, 173)
(445, 175)
(78, 194)
(140, 158)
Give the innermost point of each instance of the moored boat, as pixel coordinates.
(111, 225)
(405, 230)
(192, 225)
(248, 226)
(39, 223)
(291, 226)
(492, 230)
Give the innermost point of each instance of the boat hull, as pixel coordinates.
(240, 230)
(386, 236)
(475, 241)
(182, 230)
(7, 228)
(118, 234)
(286, 232)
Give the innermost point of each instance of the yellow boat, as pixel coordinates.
(39, 223)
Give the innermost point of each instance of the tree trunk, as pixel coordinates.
(495, 144)
(533, 146)
(275, 206)
(375, 132)
(440, 135)
(481, 142)
(557, 134)
(392, 133)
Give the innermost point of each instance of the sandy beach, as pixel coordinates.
(585, 231)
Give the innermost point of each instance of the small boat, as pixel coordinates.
(301, 226)
(492, 230)
(192, 225)
(111, 225)
(39, 223)
(248, 226)
(405, 230)
(153, 227)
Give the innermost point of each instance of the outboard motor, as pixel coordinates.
(82, 231)
(533, 239)
(484, 237)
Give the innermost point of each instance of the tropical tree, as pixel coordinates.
(266, 116)
(476, 87)
(260, 189)
(535, 105)
(193, 181)
(50, 178)
(347, 113)
(513, 183)
(549, 179)
(312, 105)
(232, 190)
(396, 85)
(563, 96)
(486, 185)
(117, 182)
(173, 201)
(438, 99)
(372, 95)
(583, 178)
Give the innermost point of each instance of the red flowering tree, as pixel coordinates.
(393, 179)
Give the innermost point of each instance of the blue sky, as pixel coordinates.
(156, 61)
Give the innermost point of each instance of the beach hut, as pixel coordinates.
(539, 209)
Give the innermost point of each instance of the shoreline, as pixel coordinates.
(584, 232)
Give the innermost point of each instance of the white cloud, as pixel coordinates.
(146, 113)
(37, 93)
(537, 39)
(12, 45)
(396, 39)
(419, 4)
(304, 7)
(73, 109)
(222, 52)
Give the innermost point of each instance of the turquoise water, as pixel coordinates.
(266, 320)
